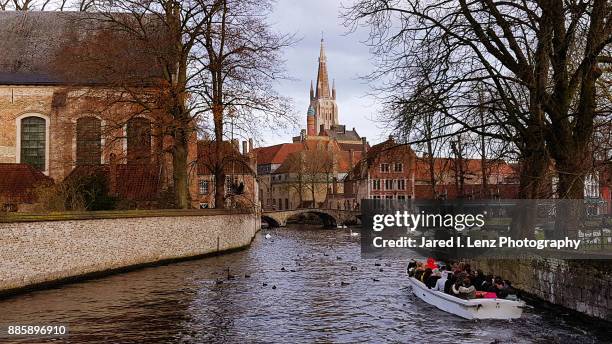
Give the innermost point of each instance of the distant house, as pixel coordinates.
(386, 172)
(241, 187)
(394, 171)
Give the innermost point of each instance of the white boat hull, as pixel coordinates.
(468, 309)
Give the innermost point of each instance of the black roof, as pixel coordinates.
(31, 44)
(30, 41)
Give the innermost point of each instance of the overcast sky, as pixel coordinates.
(347, 59)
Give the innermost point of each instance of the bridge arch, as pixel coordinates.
(271, 221)
(327, 219)
(330, 217)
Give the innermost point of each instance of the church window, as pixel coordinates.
(33, 143)
(139, 140)
(88, 141)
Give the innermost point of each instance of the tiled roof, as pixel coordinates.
(276, 154)
(233, 161)
(472, 167)
(17, 182)
(136, 182)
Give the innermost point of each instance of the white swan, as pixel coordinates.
(268, 236)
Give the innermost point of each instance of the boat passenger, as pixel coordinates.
(435, 276)
(425, 275)
(411, 267)
(441, 282)
(478, 280)
(501, 288)
(431, 263)
(450, 280)
(419, 270)
(464, 289)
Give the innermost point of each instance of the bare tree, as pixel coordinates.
(539, 58)
(239, 62)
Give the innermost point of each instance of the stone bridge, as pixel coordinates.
(330, 217)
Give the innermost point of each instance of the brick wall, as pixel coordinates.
(584, 286)
(41, 252)
(16, 101)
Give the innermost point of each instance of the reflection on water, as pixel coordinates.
(303, 285)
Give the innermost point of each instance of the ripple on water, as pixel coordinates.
(183, 303)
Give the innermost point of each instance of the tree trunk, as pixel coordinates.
(312, 190)
(533, 185)
(179, 164)
(219, 168)
(570, 209)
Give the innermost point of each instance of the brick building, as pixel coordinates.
(241, 186)
(393, 171)
(56, 121)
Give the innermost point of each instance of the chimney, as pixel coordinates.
(112, 175)
(245, 149)
(250, 145)
(303, 135)
(364, 146)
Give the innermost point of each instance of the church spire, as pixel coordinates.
(311, 91)
(322, 79)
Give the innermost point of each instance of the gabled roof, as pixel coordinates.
(276, 154)
(17, 182)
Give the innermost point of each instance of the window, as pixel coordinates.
(401, 197)
(139, 140)
(375, 197)
(389, 197)
(384, 168)
(401, 184)
(88, 141)
(376, 184)
(389, 184)
(33, 144)
(286, 203)
(230, 186)
(399, 167)
(203, 187)
(204, 206)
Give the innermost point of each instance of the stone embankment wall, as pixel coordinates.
(38, 253)
(581, 285)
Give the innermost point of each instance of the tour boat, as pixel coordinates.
(468, 309)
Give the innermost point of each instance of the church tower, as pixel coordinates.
(322, 101)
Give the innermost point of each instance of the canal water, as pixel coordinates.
(302, 285)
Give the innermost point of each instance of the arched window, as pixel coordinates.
(88, 141)
(33, 142)
(139, 140)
